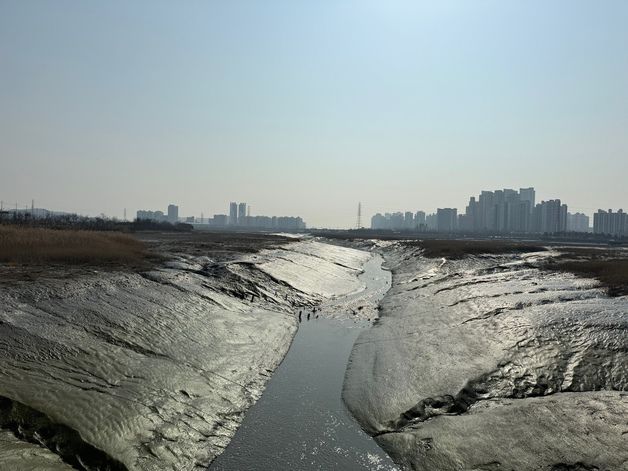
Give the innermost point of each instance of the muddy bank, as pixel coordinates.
(301, 422)
(490, 362)
(153, 370)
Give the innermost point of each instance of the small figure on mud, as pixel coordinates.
(308, 316)
(300, 312)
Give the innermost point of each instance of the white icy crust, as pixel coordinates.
(490, 363)
(156, 370)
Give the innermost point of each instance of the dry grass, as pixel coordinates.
(611, 273)
(220, 246)
(456, 249)
(32, 246)
(610, 267)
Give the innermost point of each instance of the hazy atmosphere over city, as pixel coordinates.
(305, 108)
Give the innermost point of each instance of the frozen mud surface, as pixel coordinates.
(490, 363)
(147, 371)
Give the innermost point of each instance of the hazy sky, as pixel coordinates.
(307, 107)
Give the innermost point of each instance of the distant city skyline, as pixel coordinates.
(505, 211)
(308, 108)
(237, 217)
(172, 211)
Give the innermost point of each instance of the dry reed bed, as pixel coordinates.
(26, 245)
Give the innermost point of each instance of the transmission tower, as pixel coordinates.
(359, 221)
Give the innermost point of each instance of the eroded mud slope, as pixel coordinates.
(151, 370)
(489, 363)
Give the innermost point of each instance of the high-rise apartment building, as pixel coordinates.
(378, 222)
(419, 219)
(446, 219)
(173, 213)
(241, 214)
(408, 221)
(431, 222)
(549, 217)
(486, 212)
(577, 222)
(528, 194)
(397, 221)
(610, 223)
(233, 213)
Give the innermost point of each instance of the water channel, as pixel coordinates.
(301, 422)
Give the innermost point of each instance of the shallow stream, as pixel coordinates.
(301, 422)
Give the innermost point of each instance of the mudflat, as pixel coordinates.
(493, 361)
(152, 365)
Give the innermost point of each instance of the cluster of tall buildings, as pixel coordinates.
(506, 211)
(238, 213)
(503, 211)
(399, 221)
(516, 212)
(171, 216)
(238, 217)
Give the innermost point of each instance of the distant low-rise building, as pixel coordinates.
(219, 220)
